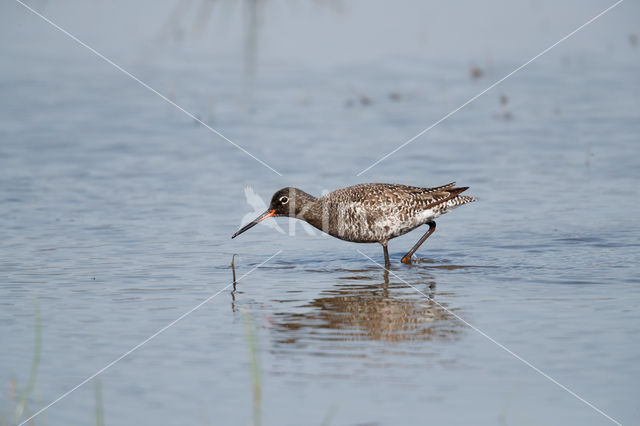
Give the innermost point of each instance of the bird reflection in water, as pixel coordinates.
(380, 311)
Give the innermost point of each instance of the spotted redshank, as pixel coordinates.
(369, 212)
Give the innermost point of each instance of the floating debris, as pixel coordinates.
(633, 39)
(506, 116)
(504, 99)
(365, 100)
(395, 96)
(476, 72)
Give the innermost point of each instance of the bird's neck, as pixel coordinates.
(315, 214)
(304, 205)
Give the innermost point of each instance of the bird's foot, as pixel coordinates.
(406, 260)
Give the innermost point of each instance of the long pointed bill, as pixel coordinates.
(255, 222)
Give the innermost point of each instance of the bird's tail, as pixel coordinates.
(460, 200)
(455, 199)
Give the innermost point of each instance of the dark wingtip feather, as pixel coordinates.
(455, 191)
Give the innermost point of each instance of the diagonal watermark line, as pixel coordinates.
(142, 83)
(492, 86)
(500, 345)
(145, 341)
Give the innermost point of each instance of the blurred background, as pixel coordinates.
(116, 211)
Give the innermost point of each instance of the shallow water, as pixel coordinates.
(117, 212)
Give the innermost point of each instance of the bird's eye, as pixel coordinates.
(284, 200)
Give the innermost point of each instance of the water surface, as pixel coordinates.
(117, 212)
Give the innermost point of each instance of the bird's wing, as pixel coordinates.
(432, 197)
(412, 196)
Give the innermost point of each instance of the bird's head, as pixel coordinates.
(290, 202)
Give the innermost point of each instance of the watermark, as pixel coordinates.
(293, 204)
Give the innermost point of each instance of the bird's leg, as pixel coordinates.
(407, 257)
(387, 264)
(385, 284)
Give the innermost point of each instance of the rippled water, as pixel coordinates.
(117, 212)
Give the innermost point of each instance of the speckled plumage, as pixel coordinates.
(370, 212)
(378, 212)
